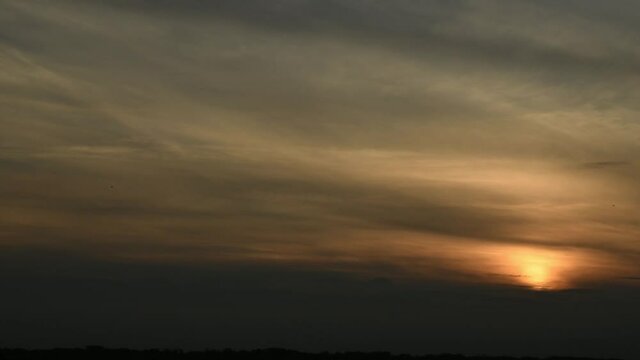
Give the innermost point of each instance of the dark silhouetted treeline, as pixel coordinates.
(99, 353)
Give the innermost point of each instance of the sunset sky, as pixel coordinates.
(411, 176)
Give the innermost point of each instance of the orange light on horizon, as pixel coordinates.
(543, 269)
(538, 271)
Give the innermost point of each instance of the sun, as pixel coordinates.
(536, 272)
(538, 269)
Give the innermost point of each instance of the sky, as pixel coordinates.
(410, 176)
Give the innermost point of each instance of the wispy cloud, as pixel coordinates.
(291, 131)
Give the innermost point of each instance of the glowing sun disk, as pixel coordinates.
(540, 270)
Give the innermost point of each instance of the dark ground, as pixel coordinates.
(98, 353)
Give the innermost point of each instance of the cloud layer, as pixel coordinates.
(366, 137)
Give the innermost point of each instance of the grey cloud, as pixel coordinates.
(287, 98)
(604, 164)
(415, 29)
(185, 107)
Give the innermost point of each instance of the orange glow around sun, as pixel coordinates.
(542, 269)
(538, 271)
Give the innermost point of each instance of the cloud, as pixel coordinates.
(604, 164)
(288, 131)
